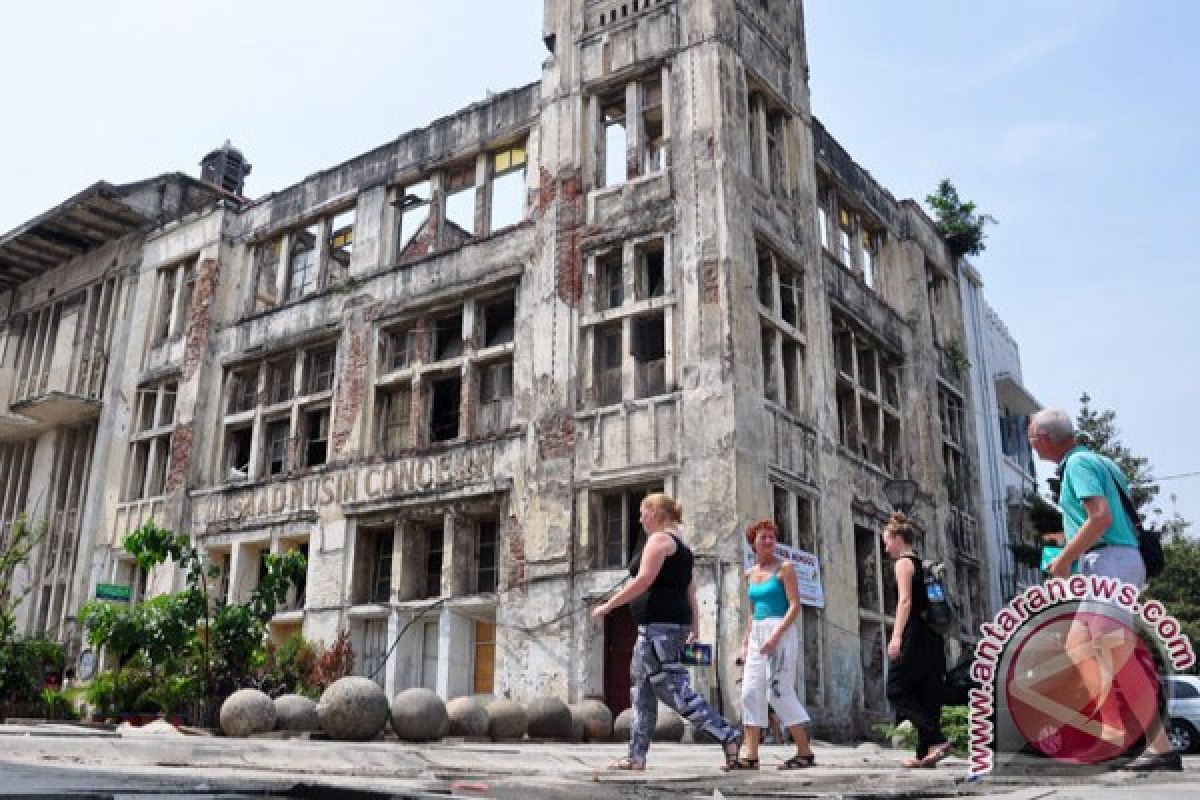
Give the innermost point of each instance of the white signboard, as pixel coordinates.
(808, 572)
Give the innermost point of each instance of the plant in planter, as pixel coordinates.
(957, 221)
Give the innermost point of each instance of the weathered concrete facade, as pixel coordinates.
(448, 369)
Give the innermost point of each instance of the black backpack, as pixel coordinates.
(940, 614)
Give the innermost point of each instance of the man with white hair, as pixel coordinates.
(1102, 538)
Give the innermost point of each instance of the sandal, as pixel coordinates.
(799, 762)
(912, 763)
(936, 754)
(627, 764)
(733, 760)
(740, 763)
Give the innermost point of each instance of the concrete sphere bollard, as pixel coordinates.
(594, 719)
(669, 725)
(549, 718)
(247, 711)
(467, 717)
(506, 720)
(353, 709)
(419, 715)
(295, 712)
(621, 726)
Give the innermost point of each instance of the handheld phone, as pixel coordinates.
(697, 654)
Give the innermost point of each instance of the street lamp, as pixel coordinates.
(901, 493)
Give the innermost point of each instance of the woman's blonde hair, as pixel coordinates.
(665, 503)
(899, 525)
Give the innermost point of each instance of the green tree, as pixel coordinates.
(184, 634)
(1098, 432)
(958, 222)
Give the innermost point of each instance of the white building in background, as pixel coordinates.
(1002, 407)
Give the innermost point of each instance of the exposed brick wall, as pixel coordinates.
(352, 383)
(181, 451)
(556, 435)
(710, 291)
(514, 568)
(196, 338)
(565, 193)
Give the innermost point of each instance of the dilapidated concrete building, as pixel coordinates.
(448, 369)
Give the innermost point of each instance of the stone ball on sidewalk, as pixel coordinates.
(621, 726)
(594, 718)
(353, 708)
(419, 715)
(468, 717)
(669, 725)
(247, 711)
(506, 720)
(549, 718)
(295, 712)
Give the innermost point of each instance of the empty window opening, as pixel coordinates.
(649, 346)
(320, 366)
(433, 562)
(616, 515)
(243, 390)
(447, 337)
(414, 212)
(770, 377)
(373, 565)
(791, 297)
(608, 364)
(302, 263)
(610, 280)
(766, 277)
(651, 273)
(316, 437)
(499, 318)
(341, 241)
(266, 262)
(446, 396)
(870, 247)
(845, 236)
(166, 408)
(615, 141)
(166, 303)
(460, 199)
(495, 397)
(399, 347)
(278, 436)
(508, 187)
(654, 151)
(237, 453)
(792, 369)
(485, 556)
(280, 383)
(395, 419)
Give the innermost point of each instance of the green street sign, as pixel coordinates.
(112, 591)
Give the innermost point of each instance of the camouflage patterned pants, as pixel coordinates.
(657, 674)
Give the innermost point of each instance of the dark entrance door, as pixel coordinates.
(619, 635)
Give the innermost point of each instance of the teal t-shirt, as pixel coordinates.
(1087, 475)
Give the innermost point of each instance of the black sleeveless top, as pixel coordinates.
(917, 625)
(667, 598)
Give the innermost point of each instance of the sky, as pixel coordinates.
(1071, 121)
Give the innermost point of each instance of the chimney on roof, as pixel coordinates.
(226, 168)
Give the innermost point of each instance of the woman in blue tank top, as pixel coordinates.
(771, 650)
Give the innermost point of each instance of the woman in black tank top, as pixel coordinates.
(916, 652)
(662, 598)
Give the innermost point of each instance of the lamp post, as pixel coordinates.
(901, 493)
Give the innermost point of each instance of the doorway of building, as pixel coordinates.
(619, 635)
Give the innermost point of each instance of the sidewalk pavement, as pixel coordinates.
(535, 770)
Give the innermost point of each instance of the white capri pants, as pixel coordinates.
(771, 680)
